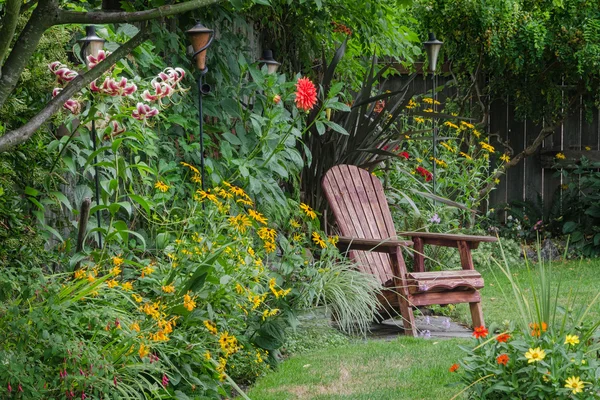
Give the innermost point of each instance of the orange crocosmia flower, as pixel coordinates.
(306, 94)
(503, 338)
(454, 367)
(480, 332)
(502, 359)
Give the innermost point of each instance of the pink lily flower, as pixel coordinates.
(143, 111)
(93, 61)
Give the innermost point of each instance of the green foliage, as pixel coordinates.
(581, 218)
(525, 49)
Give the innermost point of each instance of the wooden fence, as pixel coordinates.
(533, 179)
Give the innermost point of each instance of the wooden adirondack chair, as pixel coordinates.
(360, 208)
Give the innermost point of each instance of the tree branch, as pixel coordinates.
(22, 134)
(41, 19)
(101, 17)
(9, 24)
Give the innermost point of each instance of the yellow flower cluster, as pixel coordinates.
(429, 100)
(308, 211)
(419, 120)
(278, 292)
(163, 187)
(450, 125)
(268, 237)
(229, 344)
(441, 163)
(318, 240)
(411, 104)
(258, 217)
(243, 196)
(196, 173)
(487, 146)
(240, 223)
(189, 302)
(560, 156)
(448, 147)
(465, 155)
(211, 326)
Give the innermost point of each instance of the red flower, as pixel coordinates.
(379, 106)
(306, 94)
(405, 155)
(480, 332)
(454, 367)
(503, 338)
(502, 359)
(426, 174)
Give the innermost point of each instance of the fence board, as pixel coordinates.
(515, 175)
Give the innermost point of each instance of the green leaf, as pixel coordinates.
(29, 191)
(336, 127)
(320, 127)
(141, 201)
(570, 226)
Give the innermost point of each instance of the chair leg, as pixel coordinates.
(408, 317)
(476, 314)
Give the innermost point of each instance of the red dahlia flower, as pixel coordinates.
(306, 94)
(405, 155)
(454, 367)
(424, 173)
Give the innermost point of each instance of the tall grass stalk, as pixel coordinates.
(537, 301)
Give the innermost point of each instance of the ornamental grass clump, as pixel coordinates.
(548, 352)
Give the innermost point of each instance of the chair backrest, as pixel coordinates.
(360, 208)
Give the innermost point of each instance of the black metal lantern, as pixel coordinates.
(91, 44)
(268, 60)
(432, 47)
(201, 38)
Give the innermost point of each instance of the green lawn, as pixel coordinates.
(404, 368)
(408, 368)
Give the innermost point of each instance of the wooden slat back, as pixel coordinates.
(360, 208)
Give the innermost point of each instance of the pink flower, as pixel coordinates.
(10, 387)
(120, 88)
(54, 66)
(20, 388)
(93, 61)
(56, 91)
(73, 105)
(306, 94)
(153, 358)
(143, 111)
(161, 89)
(276, 99)
(165, 380)
(63, 374)
(94, 87)
(116, 130)
(115, 381)
(172, 75)
(65, 74)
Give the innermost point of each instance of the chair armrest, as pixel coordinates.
(346, 243)
(448, 239)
